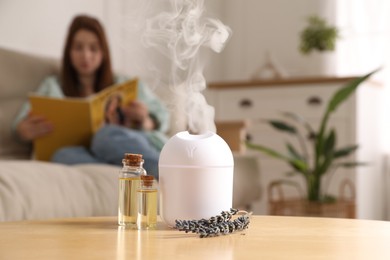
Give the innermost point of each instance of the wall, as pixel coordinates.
(261, 26)
(39, 26)
(258, 26)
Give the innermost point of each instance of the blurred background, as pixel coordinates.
(261, 30)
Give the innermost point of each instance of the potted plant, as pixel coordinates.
(318, 35)
(326, 155)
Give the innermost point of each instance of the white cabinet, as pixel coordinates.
(356, 122)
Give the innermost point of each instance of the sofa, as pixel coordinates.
(33, 190)
(36, 190)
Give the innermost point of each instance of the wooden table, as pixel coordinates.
(268, 237)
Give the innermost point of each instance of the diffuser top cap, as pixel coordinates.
(204, 150)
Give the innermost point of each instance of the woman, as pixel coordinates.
(86, 69)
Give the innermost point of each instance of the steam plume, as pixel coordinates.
(179, 34)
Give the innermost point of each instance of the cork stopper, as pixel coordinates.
(132, 159)
(147, 180)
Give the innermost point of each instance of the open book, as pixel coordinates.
(75, 120)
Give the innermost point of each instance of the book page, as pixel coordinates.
(121, 94)
(71, 120)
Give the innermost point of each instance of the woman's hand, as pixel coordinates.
(137, 116)
(113, 112)
(33, 127)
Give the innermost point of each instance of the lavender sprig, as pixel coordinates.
(216, 225)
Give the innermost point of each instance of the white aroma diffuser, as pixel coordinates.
(195, 177)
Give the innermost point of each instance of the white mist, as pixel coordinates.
(180, 34)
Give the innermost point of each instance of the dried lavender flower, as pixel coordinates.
(216, 225)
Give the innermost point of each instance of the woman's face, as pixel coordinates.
(86, 53)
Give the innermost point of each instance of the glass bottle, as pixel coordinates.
(147, 203)
(129, 181)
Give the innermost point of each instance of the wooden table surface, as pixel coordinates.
(268, 237)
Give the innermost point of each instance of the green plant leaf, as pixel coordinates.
(342, 94)
(351, 164)
(330, 143)
(282, 126)
(267, 151)
(336, 100)
(327, 153)
(345, 151)
(323, 168)
(293, 152)
(300, 119)
(297, 164)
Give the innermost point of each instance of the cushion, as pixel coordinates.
(20, 73)
(33, 190)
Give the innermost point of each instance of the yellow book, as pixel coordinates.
(75, 120)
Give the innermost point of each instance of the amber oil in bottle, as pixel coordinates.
(129, 181)
(147, 203)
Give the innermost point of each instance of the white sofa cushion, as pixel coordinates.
(33, 190)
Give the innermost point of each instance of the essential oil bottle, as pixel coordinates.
(147, 203)
(129, 181)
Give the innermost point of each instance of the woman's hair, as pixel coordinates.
(69, 76)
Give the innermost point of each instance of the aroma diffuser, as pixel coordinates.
(195, 177)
